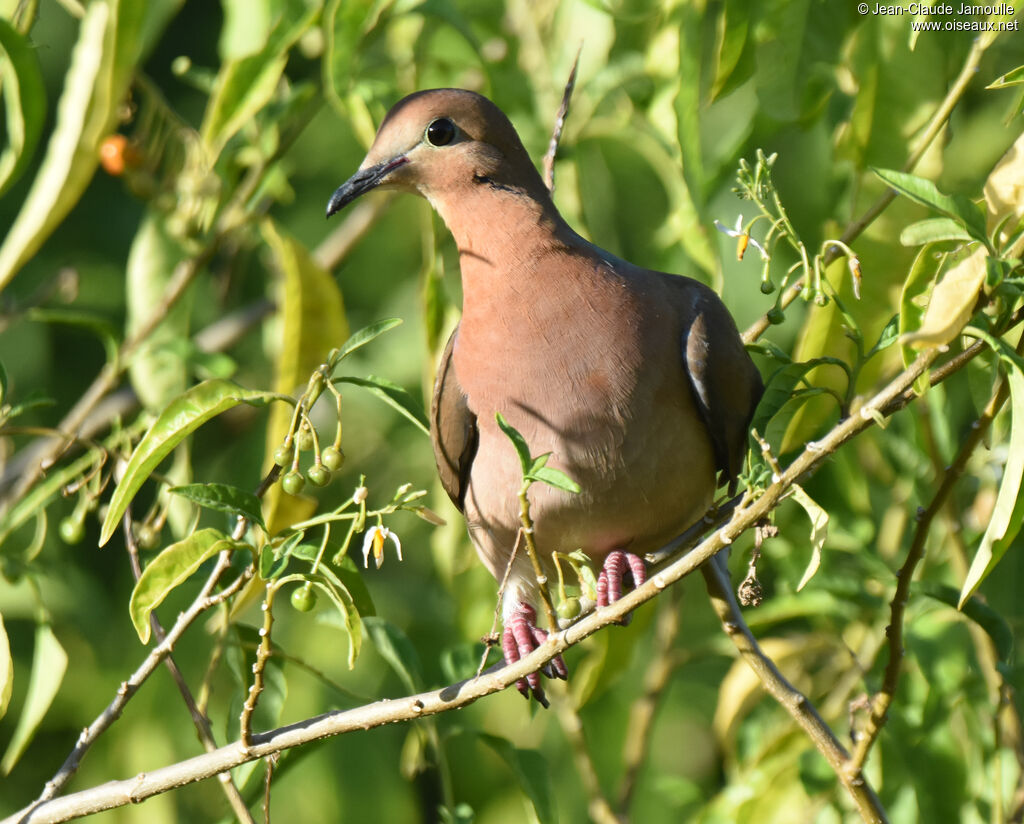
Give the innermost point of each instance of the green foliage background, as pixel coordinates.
(244, 117)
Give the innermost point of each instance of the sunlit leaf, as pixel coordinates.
(43, 493)
(24, 100)
(556, 478)
(1015, 77)
(923, 191)
(224, 498)
(181, 417)
(394, 396)
(819, 531)
(6, 669)
(933, 230)
(952, 303)
(172, 567)
(365, 335)
(49, 663)
(978, 611)
(518, 442)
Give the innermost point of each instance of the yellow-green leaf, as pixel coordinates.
(24, 103)
(952, 303)
(169, 569)
(819, 531)
(6, 669)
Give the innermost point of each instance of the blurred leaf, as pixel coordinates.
(978, 611)
(172, 567)
(181, 417)
(1011, 78)
(49, 663)
(395, 648)
(224, 498)
(247, 25)
(6, 669)
(112, 37)
(923, 191)
(923, 272)
(158, 368)
(933, 230)
(87, 321)
(733, 27)
(24, 100)
(532, 772)
(1004, 193)
(3, 384)
(819, 531)
(312, 316)
(43, 493)
(346, 22)
(1008, 515)
(365, 335)
(394, 396)
(246, 85)
(816, 775)
(342, 600)
(951, 304)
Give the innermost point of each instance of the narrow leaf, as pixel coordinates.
(978, 611)
(224, 498)
(518, 441)
(556, 478)
(933, 230)
(169, 569)
(342, 600)
(532, 773)
(365, 335)
(25, 103)
(6, 669)
(394, 396)
(951, 304)
(181, 417)
(395, 648)
(1014, 77)
(889, 335)
(923, 191)
(819, 531)
(49, 663)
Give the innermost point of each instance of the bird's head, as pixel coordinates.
(441, 143)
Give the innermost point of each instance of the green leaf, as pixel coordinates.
(246, 85)
(224, 498)
(923, 191)
(96, 324)
(181, 417)
(394, 396)
(978, 611)
(112, 37)
(1014, 77)
(43, 493)
(1008, 514)
(518, 441)
(395, 648)
(342, 600)
(175, 564)
(6, 669)
(365, 335)
(25, 103)
(933, 230)
(532, 773)
(556, 478)
(819, 531)
(889, 335)
(49, 663)
(247, 25)
(3, 383)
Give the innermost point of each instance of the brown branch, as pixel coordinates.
(644, 709)
(556, 132)
(882, 700)
(716, 577)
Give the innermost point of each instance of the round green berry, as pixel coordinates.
(569, 608)
(283, 455)
(767, 287)
(776, 316)
(72, 529)
(304, 598)
(304, 439)
(147, 536)
(318, 475)
(333, 458)
(293, 482)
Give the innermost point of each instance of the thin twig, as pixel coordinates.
(643, 711)
(199, 718)
(716, 576)
(882, 700)
(491, 638)
(556, 132)
(598, 808)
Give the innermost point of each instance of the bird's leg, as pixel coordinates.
(617, 566)
(521, 637)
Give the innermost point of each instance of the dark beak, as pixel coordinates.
(361, 182)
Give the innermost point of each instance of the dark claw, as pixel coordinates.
(521, 637)
(617, 567)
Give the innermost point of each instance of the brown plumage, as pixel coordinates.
(636, 381)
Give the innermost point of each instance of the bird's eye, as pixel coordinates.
(440, 132)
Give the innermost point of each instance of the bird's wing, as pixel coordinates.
(453, 429)
(726, 384)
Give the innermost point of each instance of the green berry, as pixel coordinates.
(283, 455)
(304, 598)
(72, 529)
(333, 458)
(776, 316)
(147, 536)
(318, 475)
(767, 287)
(293, 483)
(569, 608)
(305, 439)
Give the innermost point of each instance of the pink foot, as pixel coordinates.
(617, 566)
(521, 637)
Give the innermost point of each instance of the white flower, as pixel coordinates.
(360, 495)
(743, 238)
(374, 542)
